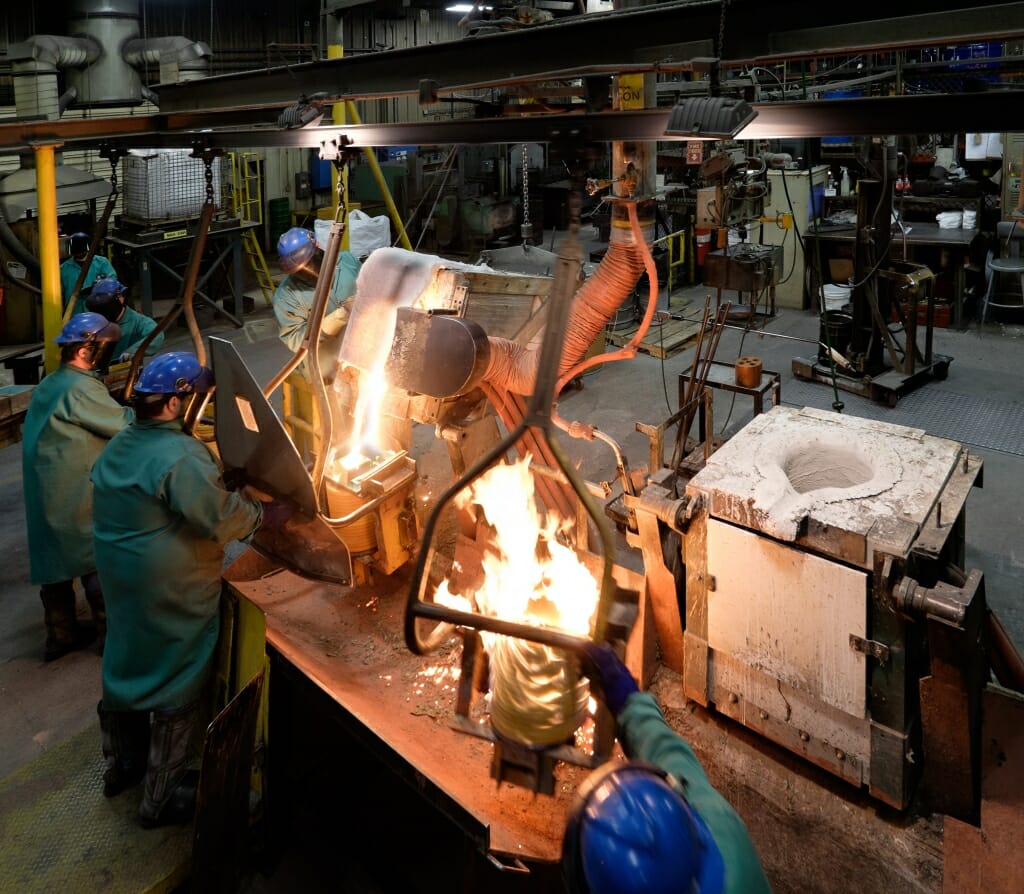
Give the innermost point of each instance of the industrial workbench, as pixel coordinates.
(923, 235)
(226, 240)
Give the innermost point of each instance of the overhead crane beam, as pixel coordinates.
(662, 37)
(993, 111)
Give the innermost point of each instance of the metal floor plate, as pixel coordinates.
(967, 418)
(60, 834)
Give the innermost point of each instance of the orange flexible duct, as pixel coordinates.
(513, 368)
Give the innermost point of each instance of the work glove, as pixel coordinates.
(606, 669)
(275, 514)
(335, 321)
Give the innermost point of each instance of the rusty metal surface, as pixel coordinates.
(348, 642)
(989, 859)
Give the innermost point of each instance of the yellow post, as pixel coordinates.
(381, 183)
(49, 251)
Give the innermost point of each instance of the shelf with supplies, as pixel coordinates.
(912, 208)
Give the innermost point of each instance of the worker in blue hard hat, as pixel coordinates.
(300, 258)
(162, 518)
(70, 418)
(108, 298)
(99, 268)
(653, 824)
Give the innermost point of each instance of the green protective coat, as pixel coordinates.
(69, 421)
(100, 268)
(134, 328)
(646, 736)
(162, 519)
(293, 299)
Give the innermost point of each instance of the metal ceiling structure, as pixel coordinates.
(606, 43)
(972, 113)
(241, 109)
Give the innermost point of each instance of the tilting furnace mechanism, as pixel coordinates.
(826, 605)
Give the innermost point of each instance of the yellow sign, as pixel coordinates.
(175, 234)
(631, 91)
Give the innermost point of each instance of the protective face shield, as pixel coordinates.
(632, 831)
(78, 245)
(177, 372)
(295, 248)
(94, 331)
(106, 298)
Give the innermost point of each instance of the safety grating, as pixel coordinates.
(60, 833)
(968, 418)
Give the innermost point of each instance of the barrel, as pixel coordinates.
(836, 331)
(703, 244)
(278, 220)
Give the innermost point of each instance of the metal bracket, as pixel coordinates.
(335, 148)
(869, 647)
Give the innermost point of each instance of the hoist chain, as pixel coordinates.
(208, 176)
(721, 30)
(113, 174)
(527, 229)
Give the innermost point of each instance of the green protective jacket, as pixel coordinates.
(646, 736)
(134, 328)
(293, 299)
(100, 268)
(69, 421)
(162, 519)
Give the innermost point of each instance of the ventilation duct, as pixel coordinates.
(113, 79)
(34, 65)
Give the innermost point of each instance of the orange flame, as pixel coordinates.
(530, 576)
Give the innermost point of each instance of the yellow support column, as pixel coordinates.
(49, 251)
(378, 175)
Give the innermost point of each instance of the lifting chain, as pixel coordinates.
(208, 176)
(526, 230)
(721, 30)
(113, 173)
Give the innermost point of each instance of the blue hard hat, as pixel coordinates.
(87, 327)
(294, 249)
(106, 287)
(631, 830)
(177, 372)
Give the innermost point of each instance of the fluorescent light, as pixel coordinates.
(466, 7)
(718, 117)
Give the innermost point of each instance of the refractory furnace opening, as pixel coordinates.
(818, 466)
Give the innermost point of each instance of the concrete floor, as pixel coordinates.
(45, 704)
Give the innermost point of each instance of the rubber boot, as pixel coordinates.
(64, 633)
(125, 747)
(170, 793)
(94, 596)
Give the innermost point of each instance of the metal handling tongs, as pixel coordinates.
(616, 609)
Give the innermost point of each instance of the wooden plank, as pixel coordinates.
(664, 340)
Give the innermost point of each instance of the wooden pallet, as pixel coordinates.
(664, 340)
